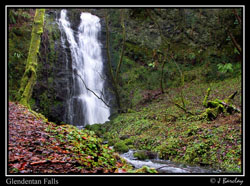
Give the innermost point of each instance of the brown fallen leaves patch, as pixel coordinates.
(31, 149)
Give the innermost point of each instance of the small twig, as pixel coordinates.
(46, 161)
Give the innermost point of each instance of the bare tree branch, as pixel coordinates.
(91, 90)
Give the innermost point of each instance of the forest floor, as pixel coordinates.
(38, 146)
(157, 126)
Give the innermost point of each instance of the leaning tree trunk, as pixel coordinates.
(29, 78)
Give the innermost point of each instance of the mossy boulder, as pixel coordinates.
(144, 154)
(121, 147)
(141, 155)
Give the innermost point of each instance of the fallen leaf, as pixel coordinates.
(23, 165)
(39, 162)
(83, 137)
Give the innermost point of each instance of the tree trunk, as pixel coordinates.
(162, 74)
(235, 43)
(237, 16)
(29, 78)
(123, 45)
(115, 75)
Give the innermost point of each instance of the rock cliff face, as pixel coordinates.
(54, 82)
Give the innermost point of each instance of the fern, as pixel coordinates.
(224, 68)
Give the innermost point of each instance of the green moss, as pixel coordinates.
(212, 113)
(215, 107)
(39, 116)
(141, 155)
(26, 90)
(206, 97)
(213, 104)
(29, 78)
(121, 147)
(145, 169)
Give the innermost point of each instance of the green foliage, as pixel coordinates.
(129, 141)
(18, 55)
(45, 103)
(193, 153)
(89, 151)
(169, 149)
(162, 128)
(144, 169)
(224, 68)
(191, 56)
(192, 130)
(99, 130)
(152, 64)
(18, 46)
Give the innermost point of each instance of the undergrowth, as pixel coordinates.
(159, 126)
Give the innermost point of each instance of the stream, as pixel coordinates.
(164, 166)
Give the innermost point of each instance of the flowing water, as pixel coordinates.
(85, 105)
(164, 166)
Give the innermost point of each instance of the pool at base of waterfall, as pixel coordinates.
(164, 166)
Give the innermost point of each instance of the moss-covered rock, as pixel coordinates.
(144, 154)
(141, 155)
(121, 147)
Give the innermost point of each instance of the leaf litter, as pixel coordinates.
(38, 146)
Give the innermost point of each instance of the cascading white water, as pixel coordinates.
(84, 107)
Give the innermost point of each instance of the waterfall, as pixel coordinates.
(84, 105)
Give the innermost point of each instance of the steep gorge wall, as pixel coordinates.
(54, 82)
(50, 91)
